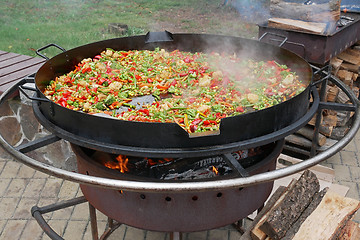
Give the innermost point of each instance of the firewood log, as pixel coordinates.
(299, 141)
(335, 64)
(332, 93)
(308, 132)
(291, 207)
(327, 12)
(313, 120)
(307, 212)
(346, 77)
(342, 118)
(339, 132)
(342, 97)
(350, 67)
(326, 130)
(351, 231)
(349, 57)
(255, 232)
(330, 120)
(333, 212)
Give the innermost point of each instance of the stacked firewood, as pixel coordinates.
(346, 67)
(333, 124)
(302, 211)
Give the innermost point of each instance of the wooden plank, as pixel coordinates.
(20, 66)
(8, 56)
(16, 76)
(327, 217)
(13, 61)
(297, 25)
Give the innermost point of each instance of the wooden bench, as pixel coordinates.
(14, 67)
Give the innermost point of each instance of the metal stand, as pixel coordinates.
(111, 225)
(18, 154)
(37, 213)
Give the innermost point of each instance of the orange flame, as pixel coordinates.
(123, 161)
(214, 169)
(152, 162)
(120, 165)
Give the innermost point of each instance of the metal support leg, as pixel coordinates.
(93, 221)
(175, 236)
(239, 225)
(38, 211)
(324, 83)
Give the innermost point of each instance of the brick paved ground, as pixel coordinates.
(22, 187)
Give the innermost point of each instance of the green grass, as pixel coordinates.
(26, 25)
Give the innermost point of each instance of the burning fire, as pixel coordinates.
(152, 162)
(215, 170)
(123, 160)
(120, 165)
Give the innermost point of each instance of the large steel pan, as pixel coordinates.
(171, 135)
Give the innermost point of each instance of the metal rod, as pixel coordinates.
(38, 143)
(231, 160)
(44, 226)
(315, 139)
(175, 236)
(93, 222)
(337, 106)
(111, 227)
(37, 213)
(60, 205)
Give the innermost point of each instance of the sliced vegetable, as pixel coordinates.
(194, 90)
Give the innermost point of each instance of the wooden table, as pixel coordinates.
(14, 67)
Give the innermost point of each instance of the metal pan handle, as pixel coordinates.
(275, 34)
(47, 46)
(282, 42)
(22, 89)
(154, 37)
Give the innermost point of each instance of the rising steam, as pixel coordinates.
(252, 11)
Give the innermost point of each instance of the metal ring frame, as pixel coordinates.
(196, 186)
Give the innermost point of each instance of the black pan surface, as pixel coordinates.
(171, 135)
